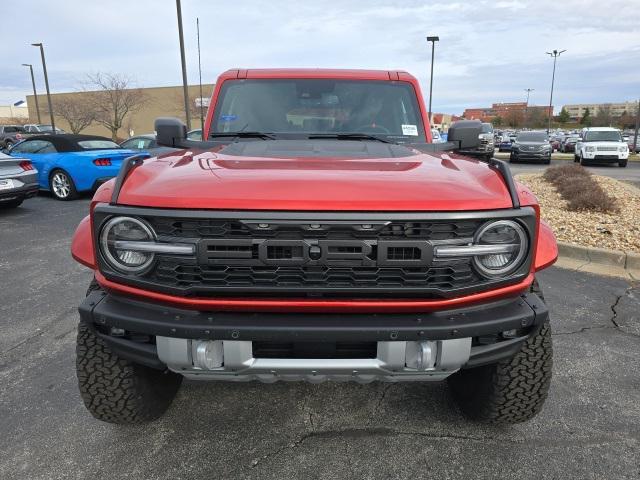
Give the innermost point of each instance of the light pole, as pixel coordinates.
(35, 94)
(526, 106)
(185, 88)
(200, 76)
(555, 54)
(46, 84)
(433, 41)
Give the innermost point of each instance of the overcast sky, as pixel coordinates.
(490, 51)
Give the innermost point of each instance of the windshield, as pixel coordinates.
(46, 128)
(487, 128)
(603, 136)
(97, 144)
(532, 137)
(318, 106)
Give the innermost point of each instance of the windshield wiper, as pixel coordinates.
(266, 136)
(349, 136)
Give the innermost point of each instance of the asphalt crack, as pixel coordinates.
(385, 390)
(368, 432)
(614, 311)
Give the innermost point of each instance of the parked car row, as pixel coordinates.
(12, 134)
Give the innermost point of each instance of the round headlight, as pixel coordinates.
(510, 242)
(115, 235)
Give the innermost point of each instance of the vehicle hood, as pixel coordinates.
(532, 144)
(356, 176)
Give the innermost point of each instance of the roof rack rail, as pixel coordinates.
(128, 164)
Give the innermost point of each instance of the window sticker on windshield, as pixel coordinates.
(228, 118)
(410, 130)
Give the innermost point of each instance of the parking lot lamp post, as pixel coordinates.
(526, 106)
(185, 88)
(637, 126)
(433, 41)
(46, 84)
(35, 94)
(555, 54)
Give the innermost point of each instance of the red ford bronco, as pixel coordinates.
(315, 233)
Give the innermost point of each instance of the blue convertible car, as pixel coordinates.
(68, 164)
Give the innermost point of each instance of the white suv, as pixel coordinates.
(601, 144)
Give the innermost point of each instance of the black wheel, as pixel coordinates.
(62, 186)
(547, 160)
(583, 161)
(12, 203)
(513, 390)
(116, 390)
(8, 144)
(622, 163)
(576, 158)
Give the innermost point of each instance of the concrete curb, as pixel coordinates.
(599, 260)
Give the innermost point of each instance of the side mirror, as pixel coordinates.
(170, 131)
(466, 133)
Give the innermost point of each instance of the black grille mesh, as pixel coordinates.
(185, 275)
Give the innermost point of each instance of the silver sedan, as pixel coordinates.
(18, 180)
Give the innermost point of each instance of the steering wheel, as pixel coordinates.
(368, 128)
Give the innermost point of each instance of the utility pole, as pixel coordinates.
(185, 87)
(635, 136)
(200, 76)
(35, 94)
(433, 41)
(526, 106)
(46, 84)
(555, 54)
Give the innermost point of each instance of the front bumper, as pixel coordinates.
(605, 157)
(539, 156)
(447, 340)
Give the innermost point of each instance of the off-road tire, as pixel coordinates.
(116, 390)
(512, 390)
(622, 163)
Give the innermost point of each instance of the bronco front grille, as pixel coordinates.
(341, 255)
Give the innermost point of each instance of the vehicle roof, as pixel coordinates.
(317, 73)
(66, 142)
(142, 135)
(602, 129)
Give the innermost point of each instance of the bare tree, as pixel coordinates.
(113, 99)
(76, 110)
(603, 116)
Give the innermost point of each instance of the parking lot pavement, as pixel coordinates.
(630, 174)
(589, 428)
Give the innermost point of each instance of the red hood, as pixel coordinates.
(420, 182)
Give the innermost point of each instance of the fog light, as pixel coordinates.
(207, 354)
(421, 355)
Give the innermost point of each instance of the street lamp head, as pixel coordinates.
(37, 44)
(433, 39)
(27, 65)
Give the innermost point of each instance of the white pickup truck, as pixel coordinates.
(601, 145)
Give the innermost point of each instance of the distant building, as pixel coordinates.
(504, 111)
(442, 121)
(615, 109)
(16, 113)
(159, 102)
